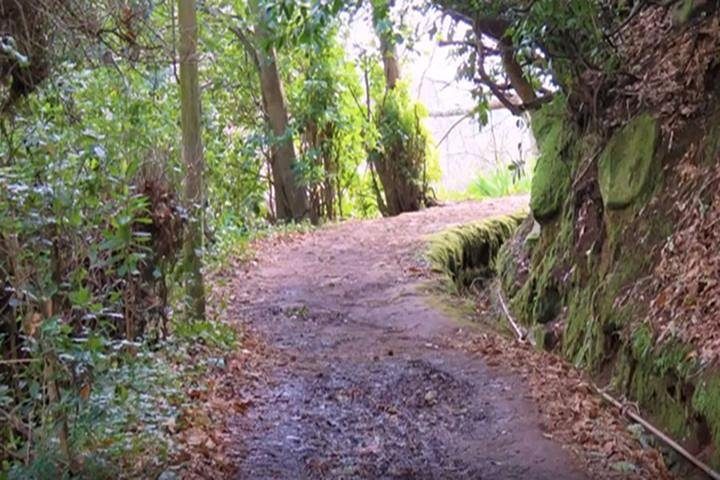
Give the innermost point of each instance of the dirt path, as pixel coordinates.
(363, 382)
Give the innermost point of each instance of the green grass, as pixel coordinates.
(500, 183)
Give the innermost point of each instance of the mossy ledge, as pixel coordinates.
(582, 285)
(467, 253)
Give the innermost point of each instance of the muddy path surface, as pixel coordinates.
(363, 381)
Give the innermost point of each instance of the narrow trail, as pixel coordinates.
(363, 382)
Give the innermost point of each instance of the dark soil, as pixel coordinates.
(363, 380)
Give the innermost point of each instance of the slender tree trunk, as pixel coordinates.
(522, 86)
(391, 66)
(329, 184)
(192, 154)
(290, 197)
(388, 48)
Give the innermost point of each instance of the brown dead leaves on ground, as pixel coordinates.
(572, 413)
(687, 305)
(666, 69)
(206, 432)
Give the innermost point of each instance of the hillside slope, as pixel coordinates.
(618, 265)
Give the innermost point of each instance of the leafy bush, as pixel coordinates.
(90, 228)
(403, 154)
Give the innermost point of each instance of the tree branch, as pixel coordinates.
(247, 44)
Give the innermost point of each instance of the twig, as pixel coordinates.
(54, 399)
(16, 423)
(452, 127)
(588, 165)
(14, 454)
(634, 11)
(18, 360)
(247, 45)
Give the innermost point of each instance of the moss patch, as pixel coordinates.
(468, 252)
(549, 187)
(547, 118)
(551, 178)
(706, 400)
(625, 164)
(657, 377)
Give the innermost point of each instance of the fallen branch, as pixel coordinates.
(658, 433)
(521, 337)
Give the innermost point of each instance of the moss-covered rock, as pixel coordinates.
(547, 118)
(551, 178)
(625, 164)
(550, 183)
(468, 252)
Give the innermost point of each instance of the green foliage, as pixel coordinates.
(706, 400)
(236, 242)
(402, 153)
(90, 226)
(572, 33)
(501, 182)
(91, 223)
(212, 333)
(124, 425)
(553, 42)
(329, 125)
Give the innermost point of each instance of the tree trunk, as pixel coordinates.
(192, 155)
(290, 197)
(391, 66)
(388, 49)
(403, 192)
(329, 184)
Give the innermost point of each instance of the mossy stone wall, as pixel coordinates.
(467, 253)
